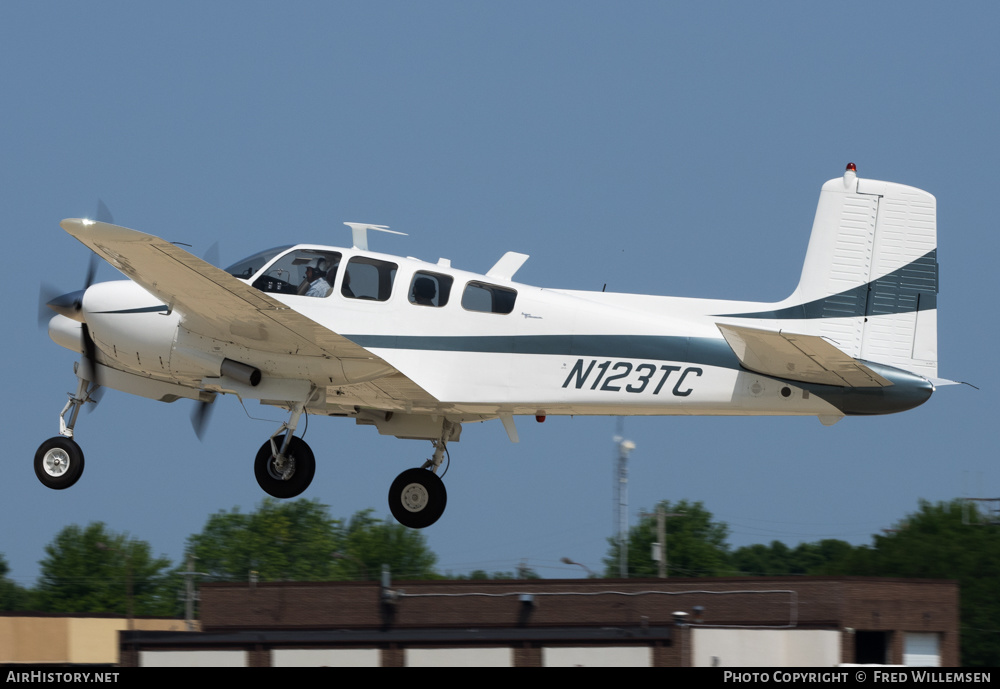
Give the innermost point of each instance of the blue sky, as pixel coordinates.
(659, 148)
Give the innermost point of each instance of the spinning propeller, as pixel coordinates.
(200, 416)
(71, 306)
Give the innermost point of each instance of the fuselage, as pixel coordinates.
(480, 345)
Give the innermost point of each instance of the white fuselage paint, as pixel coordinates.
(558, 352)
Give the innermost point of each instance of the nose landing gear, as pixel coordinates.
(59, 460)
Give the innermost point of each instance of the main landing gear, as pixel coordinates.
(59, 460)
(417, 497)
(285, 465)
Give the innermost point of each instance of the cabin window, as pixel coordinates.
(305, 272)
(430, 289)
(368, 278)
(479, 296)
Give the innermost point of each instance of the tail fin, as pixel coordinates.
(870, 276)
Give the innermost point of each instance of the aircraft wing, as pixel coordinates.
(805, 358)
(211, 302)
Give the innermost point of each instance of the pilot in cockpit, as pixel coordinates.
(315, 283)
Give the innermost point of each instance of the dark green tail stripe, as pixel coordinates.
(911, 288)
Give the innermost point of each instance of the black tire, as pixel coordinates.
(302, 470)
(59, 462)
(417, 498)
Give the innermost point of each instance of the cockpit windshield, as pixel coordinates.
(305, 272)
(249, 267)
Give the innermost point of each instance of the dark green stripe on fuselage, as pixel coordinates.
(696, 350)
(908, 390)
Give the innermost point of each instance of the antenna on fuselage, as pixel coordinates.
(359, 233)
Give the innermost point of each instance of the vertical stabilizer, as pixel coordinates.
(871, 275)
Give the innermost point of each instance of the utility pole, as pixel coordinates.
(190, 595)
(660, 547)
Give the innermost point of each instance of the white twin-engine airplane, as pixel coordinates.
(417, 349)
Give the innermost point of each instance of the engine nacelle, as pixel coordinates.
(130, 326)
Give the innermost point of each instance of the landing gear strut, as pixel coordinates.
(285, 465)
(417, 497)
(59, 460)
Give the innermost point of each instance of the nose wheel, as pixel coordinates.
(417, 498)
(59, 462)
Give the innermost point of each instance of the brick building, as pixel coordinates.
(783, 621)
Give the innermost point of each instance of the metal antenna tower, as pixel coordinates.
(623, 448)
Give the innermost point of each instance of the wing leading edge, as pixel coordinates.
(213, 303)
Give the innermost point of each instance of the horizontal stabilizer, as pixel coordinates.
(805, 358)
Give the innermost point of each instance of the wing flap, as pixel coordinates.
(805, 358)
(394, 392)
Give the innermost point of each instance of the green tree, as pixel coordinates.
(936, 543)
(778, 559)
(12, 596)
(299, 541)
(96, 570)
(371, 542)
(523, 571)
(279, 541)
(696, 545)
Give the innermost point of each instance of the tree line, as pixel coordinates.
(944, 540)
(92, 569)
